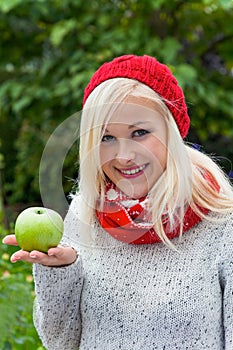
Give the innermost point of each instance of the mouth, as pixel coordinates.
(132, 171)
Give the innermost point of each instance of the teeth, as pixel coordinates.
(133, 171)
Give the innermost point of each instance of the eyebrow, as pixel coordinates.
(131, 126)
(138, 123)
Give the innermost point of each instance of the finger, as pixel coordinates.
(30, 257)
(59, 256)
(20, 255)
(64, 255)
(10, 239)
(56, 251)
(42, 258)
(52, 259)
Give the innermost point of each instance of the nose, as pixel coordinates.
(125, 151)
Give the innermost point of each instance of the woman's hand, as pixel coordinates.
(58, 256)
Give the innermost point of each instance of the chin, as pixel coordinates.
(137, 194)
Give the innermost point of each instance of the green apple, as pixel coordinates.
(38, 228)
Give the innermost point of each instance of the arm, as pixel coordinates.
(56, 308)
(58, 292)
(226, 280)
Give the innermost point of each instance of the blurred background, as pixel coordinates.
(48, 51)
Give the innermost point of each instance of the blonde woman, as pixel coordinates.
(146, 260)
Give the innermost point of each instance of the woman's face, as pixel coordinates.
(133, 149)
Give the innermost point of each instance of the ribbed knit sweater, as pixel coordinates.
(139, 297)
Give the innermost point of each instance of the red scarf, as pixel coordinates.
(126, 219)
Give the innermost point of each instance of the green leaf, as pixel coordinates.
(61, 29)
(21, 103)
(157, 3)
(77, 80)
(185, 74)
(7, 5)
(170, 48)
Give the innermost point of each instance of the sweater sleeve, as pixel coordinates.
(58, 292)
(226, 279)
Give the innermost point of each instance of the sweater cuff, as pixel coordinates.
(52, 280)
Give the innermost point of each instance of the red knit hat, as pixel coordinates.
(150, 72)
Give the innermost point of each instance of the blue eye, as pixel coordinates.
(140, 132)
(107, 138)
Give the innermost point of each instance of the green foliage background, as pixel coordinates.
(49, 50)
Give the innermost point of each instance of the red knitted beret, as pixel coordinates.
(150, 72)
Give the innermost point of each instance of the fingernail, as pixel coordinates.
(33, 256)
(50, 253)
(15, 258)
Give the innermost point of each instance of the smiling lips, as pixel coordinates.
(132, 171)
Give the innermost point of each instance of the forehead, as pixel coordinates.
(130, 113)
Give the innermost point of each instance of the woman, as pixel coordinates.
(151, 225)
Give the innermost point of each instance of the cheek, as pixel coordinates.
(159, 156)
(106, 155)
(105, 167)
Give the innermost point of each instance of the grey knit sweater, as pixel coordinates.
(139, 297)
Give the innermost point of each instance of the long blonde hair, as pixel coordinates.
(182, 184)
